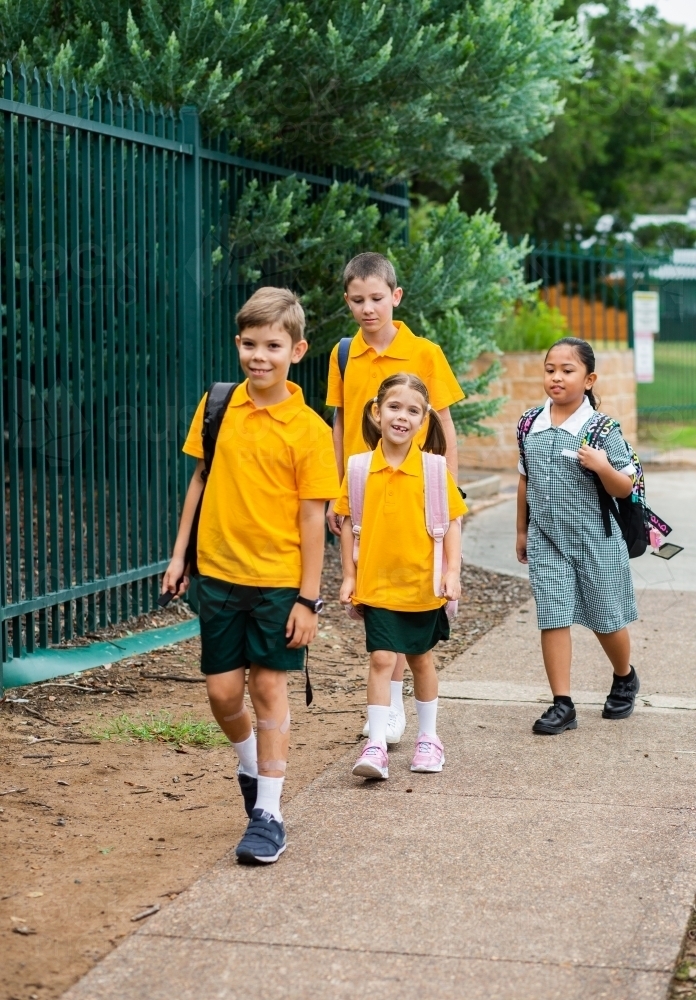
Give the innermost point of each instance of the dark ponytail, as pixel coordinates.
(435, 440)
(586, 356)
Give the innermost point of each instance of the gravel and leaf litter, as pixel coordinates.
(118, 790)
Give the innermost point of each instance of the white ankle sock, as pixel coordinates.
(268, 796)
(246, 751)
(397, 696)
(378, 718)
(427, 717)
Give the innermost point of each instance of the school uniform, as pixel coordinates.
(578, 575)
(267, 460)
(366, 370)
(395, 567)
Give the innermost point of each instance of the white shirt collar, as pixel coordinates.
(575, 422)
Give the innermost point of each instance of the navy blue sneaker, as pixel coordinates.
(264, 840)
(249, 787)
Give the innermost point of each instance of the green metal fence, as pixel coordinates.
(114, 319)
(594, 289)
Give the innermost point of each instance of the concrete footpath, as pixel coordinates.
(532, 867)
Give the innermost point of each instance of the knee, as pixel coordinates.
(223, 695)
(266, 687)
(382, 661)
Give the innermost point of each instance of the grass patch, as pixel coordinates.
(668, 435)
(675, 377)
(161, 728)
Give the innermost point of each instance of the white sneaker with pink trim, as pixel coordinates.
(373, 762)
(429, 756)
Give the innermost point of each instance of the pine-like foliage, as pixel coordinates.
(394, 90)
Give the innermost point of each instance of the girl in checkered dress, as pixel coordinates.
(578, 575)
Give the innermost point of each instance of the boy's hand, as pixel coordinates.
(347, 590)
(521, 547)
(302, 626)
(594, 459)
(334, 521)
(174, 573)
(451, 585)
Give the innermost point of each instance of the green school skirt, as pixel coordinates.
(409, 632)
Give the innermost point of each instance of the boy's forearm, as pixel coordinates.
(522, 505)
(193, 495)
(450, 430)
(337, 433)
(311, 546)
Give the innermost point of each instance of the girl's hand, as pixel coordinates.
(347, 590)
(451, 585)
(594, 459)
(302, 626)
(174, 573)
(521, 547)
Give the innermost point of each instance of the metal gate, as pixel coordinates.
(594, 290)
(114, 319)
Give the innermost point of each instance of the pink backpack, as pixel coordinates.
(437, 517)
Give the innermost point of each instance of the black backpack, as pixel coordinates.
(219, 396)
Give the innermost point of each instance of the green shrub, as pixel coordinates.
(533, 326)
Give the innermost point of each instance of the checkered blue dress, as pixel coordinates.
(578, 575)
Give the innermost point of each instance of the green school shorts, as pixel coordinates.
(243, 625)
(410, 632)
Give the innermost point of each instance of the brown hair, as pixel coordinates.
(273, 305)
(435, 437)
(369, 265)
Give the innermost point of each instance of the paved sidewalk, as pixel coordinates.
(489, 538)
(530, 868)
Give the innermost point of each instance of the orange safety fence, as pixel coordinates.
(591, 320)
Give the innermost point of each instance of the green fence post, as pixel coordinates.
(628, 267)
(191, 287)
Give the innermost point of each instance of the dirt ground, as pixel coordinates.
(93, 833)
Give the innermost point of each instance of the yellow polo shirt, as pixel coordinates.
(395, 568)
(366, 370)
(267, 459)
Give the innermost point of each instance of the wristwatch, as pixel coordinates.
(316, 606)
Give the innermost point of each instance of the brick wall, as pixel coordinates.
(522, 383)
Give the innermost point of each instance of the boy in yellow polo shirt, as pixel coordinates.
(260, 553)
(382, 347)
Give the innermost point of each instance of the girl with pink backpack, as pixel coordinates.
(401, 553)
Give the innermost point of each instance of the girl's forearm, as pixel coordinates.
(453, 544)
(522, 505)
(193, 495)
(617, 484)
(347, 548)
(311, 546)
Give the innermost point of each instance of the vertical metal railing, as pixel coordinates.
(117, 304)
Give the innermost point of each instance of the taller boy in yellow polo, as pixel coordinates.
(260, 550)
(383, 347)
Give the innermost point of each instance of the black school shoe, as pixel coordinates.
(622, 698)
(249, 787)
(264, 840)
(555, 720)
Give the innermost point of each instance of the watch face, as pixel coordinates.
(319, 605)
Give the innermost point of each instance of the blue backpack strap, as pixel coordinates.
(524, 426)
(343, 354)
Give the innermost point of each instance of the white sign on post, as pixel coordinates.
(646, 323)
